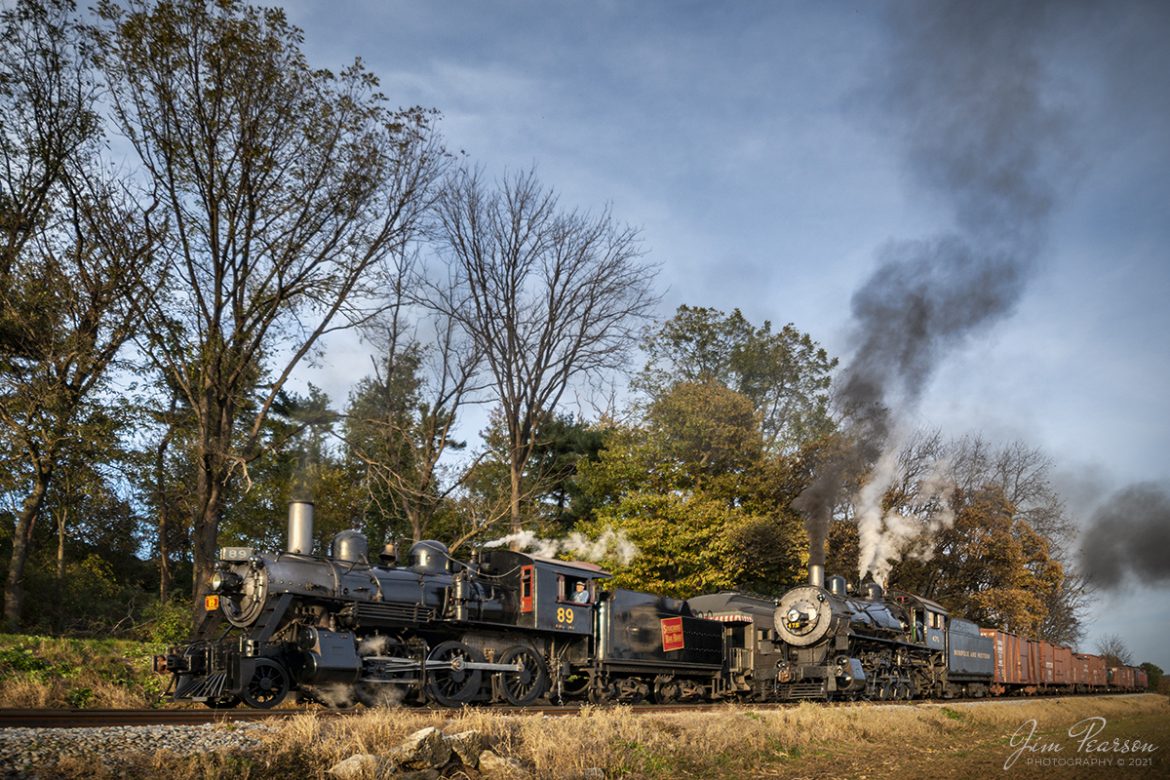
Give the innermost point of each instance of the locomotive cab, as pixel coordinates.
(926, 620)
(546, 590)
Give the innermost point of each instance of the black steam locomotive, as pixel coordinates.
(874, 645)
(511, 627)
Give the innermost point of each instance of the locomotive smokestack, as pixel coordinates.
(300, 527)
(816, 575)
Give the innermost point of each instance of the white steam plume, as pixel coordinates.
(611, 545)
(907, 529)
(870, 517)
(380, 694)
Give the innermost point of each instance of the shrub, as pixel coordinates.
(165, 623)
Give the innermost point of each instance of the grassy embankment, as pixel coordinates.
(44, 672)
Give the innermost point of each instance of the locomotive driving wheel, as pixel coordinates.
(453, 685)
(527, 685)
(267, 686)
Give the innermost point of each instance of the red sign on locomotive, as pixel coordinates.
(672, 634)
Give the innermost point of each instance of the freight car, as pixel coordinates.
(1030, 666)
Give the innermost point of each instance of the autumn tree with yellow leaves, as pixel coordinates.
(991, 566)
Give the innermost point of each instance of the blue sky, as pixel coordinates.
(746, 141)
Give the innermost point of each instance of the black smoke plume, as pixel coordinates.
(963, 92)
(1129, 534)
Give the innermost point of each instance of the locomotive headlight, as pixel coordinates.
(800, 618)
(225, 581)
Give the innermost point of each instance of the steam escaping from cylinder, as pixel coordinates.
(611, 545)
(340, 695)
(300, 527)
(378, 644)
(962, 91)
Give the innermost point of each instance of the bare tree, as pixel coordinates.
(46, 99)
(549, 296)
(69, 259)
(1023, 473)
(1113, 649)
(286, 189)
(401, 420)
(1064, 607)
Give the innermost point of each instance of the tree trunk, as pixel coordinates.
(62, 523)
(205, 532)
(164, 510)
(415, 519)
(515, 468)
(21, 542)
(209, 485)
(164, 562)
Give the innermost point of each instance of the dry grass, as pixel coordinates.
(958, 740)
(39, 672)
(1066, 710)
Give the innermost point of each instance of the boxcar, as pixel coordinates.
(1089, 673)
(1013, 665)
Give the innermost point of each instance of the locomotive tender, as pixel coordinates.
(505, 627)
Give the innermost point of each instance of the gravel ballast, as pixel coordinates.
(31, 752)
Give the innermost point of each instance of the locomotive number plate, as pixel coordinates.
(235, 553)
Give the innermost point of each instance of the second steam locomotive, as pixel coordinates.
(511, 627)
